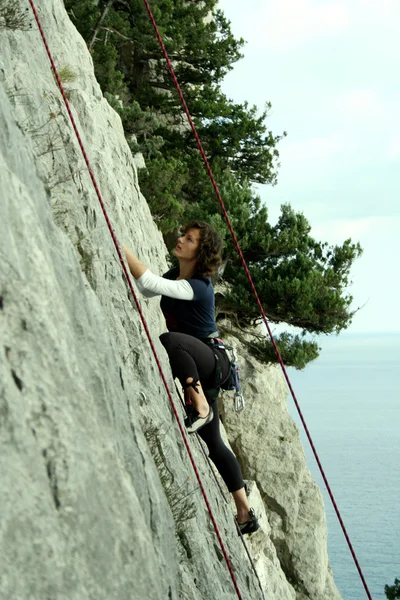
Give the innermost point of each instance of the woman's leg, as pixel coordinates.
(229, 469)
(223, 458)
(191, 359)
(197, 397)
(242, 505)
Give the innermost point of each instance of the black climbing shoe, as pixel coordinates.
(194, 422)
(250, 526)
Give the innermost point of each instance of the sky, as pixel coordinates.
(330, 70)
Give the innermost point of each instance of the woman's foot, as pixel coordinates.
(250, 525)
(195, 421)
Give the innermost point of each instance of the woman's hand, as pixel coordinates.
(136, 267)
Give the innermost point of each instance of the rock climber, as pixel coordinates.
(188, 305)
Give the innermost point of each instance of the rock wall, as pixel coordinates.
(98, 498)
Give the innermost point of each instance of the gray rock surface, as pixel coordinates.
(98, 497)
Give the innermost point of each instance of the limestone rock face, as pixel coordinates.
(98, 497)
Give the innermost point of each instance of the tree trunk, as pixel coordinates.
(99, 23)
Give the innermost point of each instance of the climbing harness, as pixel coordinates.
(248, 275)
(232, 382)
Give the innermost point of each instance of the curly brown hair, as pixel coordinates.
(209, 254)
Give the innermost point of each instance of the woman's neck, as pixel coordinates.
(186, 270)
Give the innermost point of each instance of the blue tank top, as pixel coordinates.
(195, 317)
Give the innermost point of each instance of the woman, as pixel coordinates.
(188, 305)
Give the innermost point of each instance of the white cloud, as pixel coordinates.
(360, 104)
(376, 4)
(375, 286)
(316, 150)
(335, 231)
(288, 23)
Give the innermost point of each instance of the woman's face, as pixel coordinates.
(188, 244)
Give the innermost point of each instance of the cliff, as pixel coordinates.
(98, 498)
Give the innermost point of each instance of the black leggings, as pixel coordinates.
(190, 357)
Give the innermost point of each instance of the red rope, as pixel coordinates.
(219, 197)
(103, 208)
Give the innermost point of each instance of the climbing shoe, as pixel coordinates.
(249, 526)
(194, 422)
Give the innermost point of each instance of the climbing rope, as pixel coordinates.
(253, 288)
(142, 317)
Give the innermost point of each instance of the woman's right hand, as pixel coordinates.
(136, 267)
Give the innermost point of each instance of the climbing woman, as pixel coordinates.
(188, 305)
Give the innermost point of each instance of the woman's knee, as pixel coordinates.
(167, 340)
(164, 338)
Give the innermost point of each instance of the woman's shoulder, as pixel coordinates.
(202, 288)
(172, 273)
(204, 278)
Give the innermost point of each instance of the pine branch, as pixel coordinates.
(99, 23)
(112, 30)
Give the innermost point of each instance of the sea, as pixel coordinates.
(350, 399)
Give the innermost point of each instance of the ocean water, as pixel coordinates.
(350, 399)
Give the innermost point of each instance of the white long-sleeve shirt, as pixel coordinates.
(151, 285)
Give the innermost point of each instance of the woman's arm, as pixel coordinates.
(152, 285)
(136, 267)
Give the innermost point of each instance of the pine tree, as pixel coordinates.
(392, 592)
